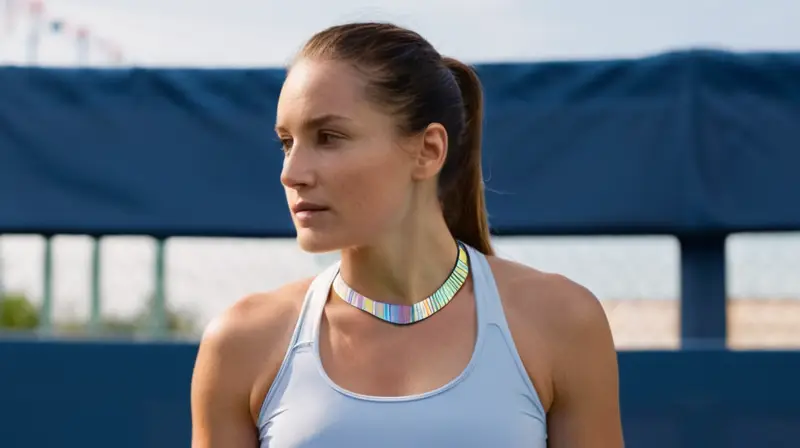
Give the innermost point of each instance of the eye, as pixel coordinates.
(327, 138)
(286, 145)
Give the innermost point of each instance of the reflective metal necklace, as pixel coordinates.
(409, 314)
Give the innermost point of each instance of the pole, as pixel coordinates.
(46, 313)
(82, 44)
(2, 272)
(9, 14)
(159, 316)
(95, 312)
(703, 294)
(35, 32)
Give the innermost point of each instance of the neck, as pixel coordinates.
(403, 268)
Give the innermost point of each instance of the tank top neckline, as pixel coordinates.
(479, 269)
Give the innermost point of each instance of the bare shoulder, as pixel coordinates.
(241, 350)
(560, 304)
(554, 321)
(261, 317)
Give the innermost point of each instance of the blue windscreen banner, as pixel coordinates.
(684, 143)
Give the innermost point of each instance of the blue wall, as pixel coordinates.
(131, 395)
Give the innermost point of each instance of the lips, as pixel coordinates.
(308, 213)
(307, 207)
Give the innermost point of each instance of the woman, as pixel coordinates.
(382, 139)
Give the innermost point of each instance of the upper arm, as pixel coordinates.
(220, 391)
(240, 354)
(585, 410)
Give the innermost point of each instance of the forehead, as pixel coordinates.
(317, 88)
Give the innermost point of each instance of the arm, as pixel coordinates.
(585, 410)
(220, 391)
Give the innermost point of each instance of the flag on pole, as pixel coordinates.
(40, 22)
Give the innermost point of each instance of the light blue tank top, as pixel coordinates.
(491, 404)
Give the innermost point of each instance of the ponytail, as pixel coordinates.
(463, 202)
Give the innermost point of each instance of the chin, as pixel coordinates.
(316, 242)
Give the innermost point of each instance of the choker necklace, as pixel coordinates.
(409, 314)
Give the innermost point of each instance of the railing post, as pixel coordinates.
(2, 276)
(95, 310)
(159, 317)
(2, 271)
(46, 313)
(703, 292)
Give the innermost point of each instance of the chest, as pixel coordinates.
(366, 356)
(441, 421)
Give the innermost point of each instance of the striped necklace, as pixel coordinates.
(409, 314)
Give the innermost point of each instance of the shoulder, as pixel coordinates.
(555, 322)
(245, 345)
(261, 317)
(563, 306)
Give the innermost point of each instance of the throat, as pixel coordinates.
(401, 272)
(420, 307)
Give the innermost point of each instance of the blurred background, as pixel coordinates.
(72, 286)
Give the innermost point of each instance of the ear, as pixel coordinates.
(432, 152)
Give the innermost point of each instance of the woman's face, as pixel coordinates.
(347, 180)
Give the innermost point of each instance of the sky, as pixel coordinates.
(236, 33)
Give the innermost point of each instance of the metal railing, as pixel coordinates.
(703, 303)
(157, 325)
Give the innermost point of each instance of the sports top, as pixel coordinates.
(492, 403)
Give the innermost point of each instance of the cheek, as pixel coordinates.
(373, 195)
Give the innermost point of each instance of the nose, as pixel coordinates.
(298, 170)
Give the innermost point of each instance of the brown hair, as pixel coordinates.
(407, 75)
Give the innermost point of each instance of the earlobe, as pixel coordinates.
(432, 153)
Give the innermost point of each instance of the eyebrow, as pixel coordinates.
(318, 121)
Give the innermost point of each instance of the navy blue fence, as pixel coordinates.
(698, 145)
(130, 395)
